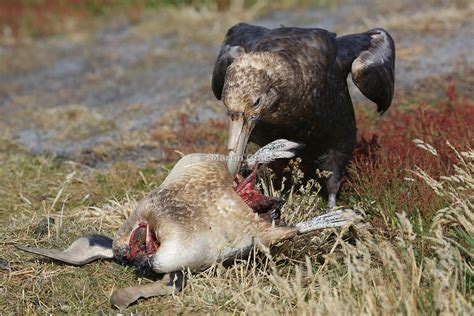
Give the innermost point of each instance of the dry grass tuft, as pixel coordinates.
(381, 272)
(364, 269)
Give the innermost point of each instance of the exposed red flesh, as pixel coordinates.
(152, 244)
(246, 188)
(143, 241)
(261, 204)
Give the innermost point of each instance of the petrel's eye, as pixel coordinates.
(257, 102)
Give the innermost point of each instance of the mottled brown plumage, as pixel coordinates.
(198, 217)
(194, 219)
(291, 83)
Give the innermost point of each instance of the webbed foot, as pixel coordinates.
(171, 283)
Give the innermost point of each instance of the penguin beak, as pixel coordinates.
(239, 132)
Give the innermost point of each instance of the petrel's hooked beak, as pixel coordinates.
(239, 132)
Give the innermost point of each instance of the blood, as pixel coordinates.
(246, 187)
(143, 242)
(266, 207)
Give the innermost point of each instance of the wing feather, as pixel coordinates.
(370, 57)
(81, 251)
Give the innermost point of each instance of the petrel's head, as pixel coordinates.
(248, 94)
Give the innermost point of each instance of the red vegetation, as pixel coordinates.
(451, 92)
(45, 17)
(37, 15)
(385, 153)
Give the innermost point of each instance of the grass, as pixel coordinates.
(412, 256)
(23, 19)
(386, 153)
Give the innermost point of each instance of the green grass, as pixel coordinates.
(399, 261)
(32, 183)
(408, 257)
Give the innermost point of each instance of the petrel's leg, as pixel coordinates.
(334, 161)
(171, 283)
(81, 251)
(333, 184)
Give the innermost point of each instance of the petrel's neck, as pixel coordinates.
(288, 81)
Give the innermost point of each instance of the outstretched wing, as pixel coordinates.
(239, 39)
(370, 57)
(81, 251)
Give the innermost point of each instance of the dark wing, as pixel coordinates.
(81, 251)
(240, 38)
(370, 57)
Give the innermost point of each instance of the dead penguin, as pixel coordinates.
(195, 218)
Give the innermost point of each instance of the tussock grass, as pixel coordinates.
(364, 269)
(379, 272)
(412, 256)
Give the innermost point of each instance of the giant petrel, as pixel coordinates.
(291, 83)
